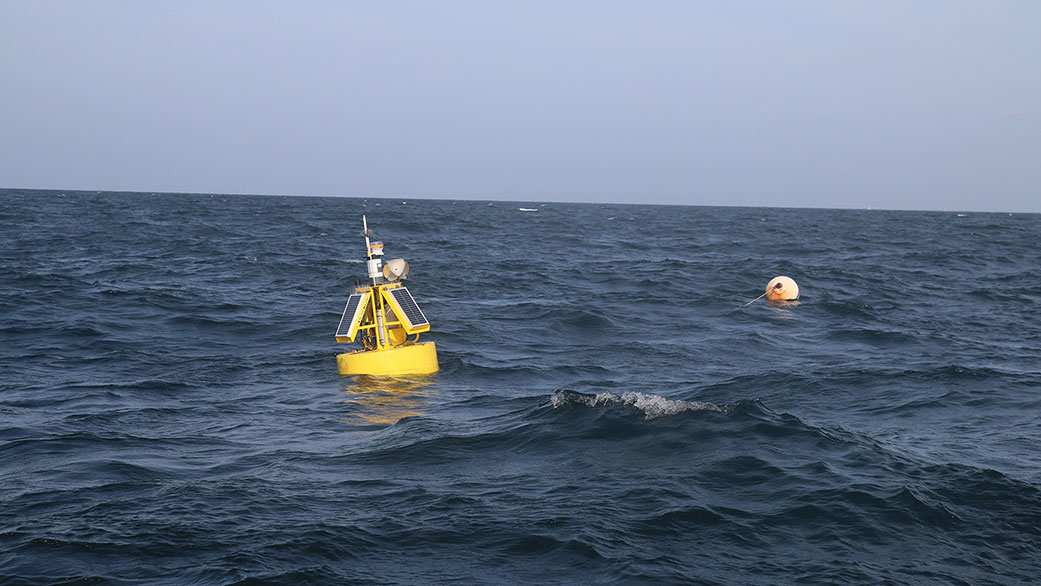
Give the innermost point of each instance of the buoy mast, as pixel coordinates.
(373, 261)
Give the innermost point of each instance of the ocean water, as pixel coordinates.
(607, 411)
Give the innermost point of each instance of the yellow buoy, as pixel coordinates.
(381, 316)
(390, 361)
(781, 289)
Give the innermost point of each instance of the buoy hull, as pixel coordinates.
(782, 289)
(395, 360)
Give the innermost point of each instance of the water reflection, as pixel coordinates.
(782, 307)
(387, 400)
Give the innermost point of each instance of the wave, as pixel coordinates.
(651, 406)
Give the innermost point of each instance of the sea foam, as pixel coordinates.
(652, 406)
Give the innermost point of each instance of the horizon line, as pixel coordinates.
(436, 198)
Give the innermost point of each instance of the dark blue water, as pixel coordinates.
(170, 409)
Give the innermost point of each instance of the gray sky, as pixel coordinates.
(888, 104)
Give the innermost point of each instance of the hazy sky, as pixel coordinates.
(889, 104)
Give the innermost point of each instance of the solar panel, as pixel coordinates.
(406, 309)
(351, 318)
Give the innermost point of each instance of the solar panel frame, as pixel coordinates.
(351, 318)
(407, 310)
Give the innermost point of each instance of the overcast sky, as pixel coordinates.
(886, 104)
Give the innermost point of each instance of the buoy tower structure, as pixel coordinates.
(384, 318)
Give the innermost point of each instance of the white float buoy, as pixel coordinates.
(781, 288)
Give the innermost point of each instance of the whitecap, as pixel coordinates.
(652, 406)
